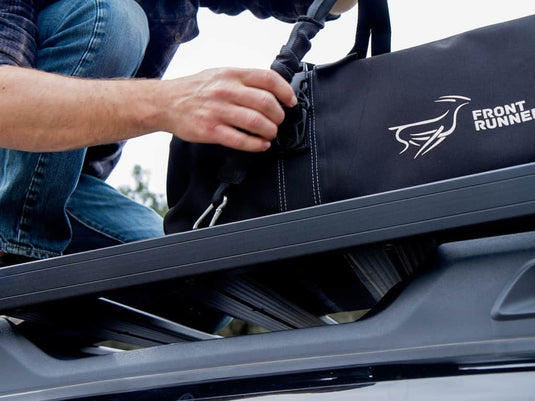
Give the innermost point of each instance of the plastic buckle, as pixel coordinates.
(215, 217)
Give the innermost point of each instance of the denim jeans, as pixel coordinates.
(47, 207)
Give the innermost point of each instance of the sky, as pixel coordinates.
(247, 42)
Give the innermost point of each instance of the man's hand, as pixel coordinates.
(342, 6)
(216, 106)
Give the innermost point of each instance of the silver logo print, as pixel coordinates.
(427, 135)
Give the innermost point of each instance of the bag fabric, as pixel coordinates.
(454, 107)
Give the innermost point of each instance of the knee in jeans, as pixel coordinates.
(92, 38)
(128, 27)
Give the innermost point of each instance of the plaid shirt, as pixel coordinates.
(171, 22)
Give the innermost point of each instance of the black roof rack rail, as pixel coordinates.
(436, 207)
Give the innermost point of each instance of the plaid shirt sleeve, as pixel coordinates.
(284, 10)
(18, 32)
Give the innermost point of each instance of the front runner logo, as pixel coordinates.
(427, 135)
(502, 116)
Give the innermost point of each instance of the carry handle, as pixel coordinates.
(287, 63)
(373, 20)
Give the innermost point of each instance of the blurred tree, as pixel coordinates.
(141, 192)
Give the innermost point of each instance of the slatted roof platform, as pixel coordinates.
(275, 271)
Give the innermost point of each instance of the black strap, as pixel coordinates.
(374, 21)
(287, 63)
(232, 172)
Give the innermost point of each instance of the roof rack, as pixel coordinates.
(136, 293)
(268, 271)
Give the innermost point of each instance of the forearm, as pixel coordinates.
(47, 112)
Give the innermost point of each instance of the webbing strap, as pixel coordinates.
(374, 21)
(287, 63)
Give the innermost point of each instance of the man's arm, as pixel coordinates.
(40, 111)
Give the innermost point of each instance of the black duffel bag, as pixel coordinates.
(454, 107)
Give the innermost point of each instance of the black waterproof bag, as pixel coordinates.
(450, 108)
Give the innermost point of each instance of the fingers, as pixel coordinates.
(260, 100)
(215, 106)
(249, 100)
(251, 121)
(232, 138)
(272, 82)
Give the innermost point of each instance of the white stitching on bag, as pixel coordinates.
(284, 185)
(314, 152)
(279, 190)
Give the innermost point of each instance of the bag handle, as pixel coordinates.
(287, 63)
(373, 21)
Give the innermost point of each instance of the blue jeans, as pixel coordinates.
(47, 207)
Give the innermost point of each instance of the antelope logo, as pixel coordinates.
(427, 135)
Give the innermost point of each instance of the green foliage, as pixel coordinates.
(141, 193)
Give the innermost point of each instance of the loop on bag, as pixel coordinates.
(288, 61)
(218, 211)
(292, 132)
